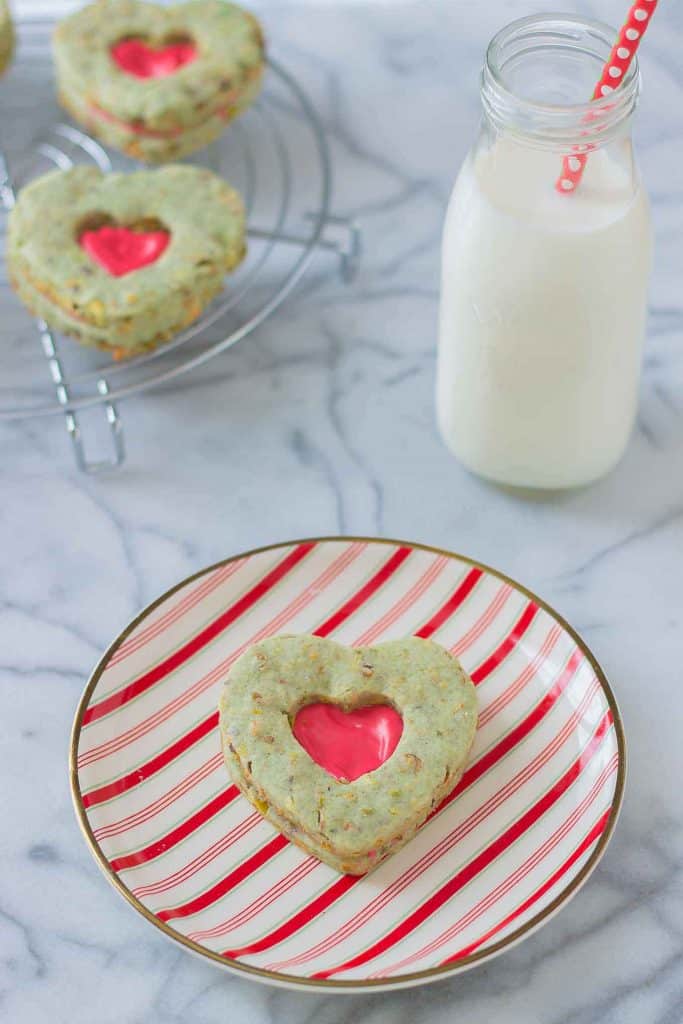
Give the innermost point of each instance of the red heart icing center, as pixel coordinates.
(135, 57)
(347, 744)
(122, 250)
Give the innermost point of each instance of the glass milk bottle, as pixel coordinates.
(543, 293)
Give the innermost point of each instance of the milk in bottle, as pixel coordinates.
(543, 295)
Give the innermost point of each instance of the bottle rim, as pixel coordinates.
(556, 124)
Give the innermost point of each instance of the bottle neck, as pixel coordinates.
(536, 77)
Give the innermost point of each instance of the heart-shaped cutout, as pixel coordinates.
(348, 744)
(347, 750)
(136, 57)
(121, 250)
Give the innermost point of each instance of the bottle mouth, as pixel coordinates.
(537, 72)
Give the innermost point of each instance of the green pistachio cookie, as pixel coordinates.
(6, 36)
(158, 82)
(352, 822)
(124, 262)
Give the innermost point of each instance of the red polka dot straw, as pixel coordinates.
(623, 51)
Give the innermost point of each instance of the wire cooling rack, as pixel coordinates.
(276, 155)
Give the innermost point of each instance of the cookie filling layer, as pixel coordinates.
(136, 128)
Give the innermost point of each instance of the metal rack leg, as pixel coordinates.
(346, 242)
(72, 425)
(7, 194)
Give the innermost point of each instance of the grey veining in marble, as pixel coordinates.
(323, 422)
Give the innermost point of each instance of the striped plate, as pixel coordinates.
(524, 828)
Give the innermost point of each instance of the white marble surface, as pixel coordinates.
(323, 423)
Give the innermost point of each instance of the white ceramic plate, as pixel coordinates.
(524, 828)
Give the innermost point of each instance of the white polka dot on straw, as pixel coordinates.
(613, 72)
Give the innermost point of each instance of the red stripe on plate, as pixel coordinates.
(453, 603)
(484, 621)
(507, 645)
(228, 839)
(177, 834)
(155, 629)
(481, 861)
(145, 771)
(420, 587)
(263, 900)
(528, 672)
(302, 918)
(161, 803)
(209, 633)
(515, 736)
(587, 842)
(242, 871)
(494, 895)
(365, 592)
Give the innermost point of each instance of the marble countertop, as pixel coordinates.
(322, 423)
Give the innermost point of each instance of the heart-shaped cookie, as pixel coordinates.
(350, 824)
(124, 262)
(158, 82)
